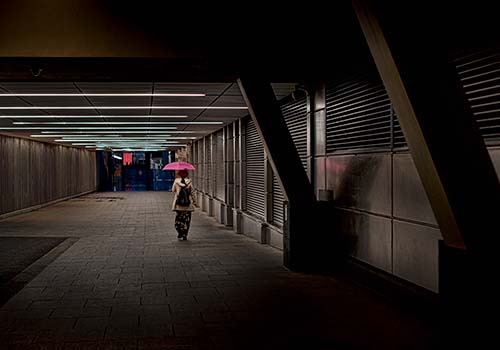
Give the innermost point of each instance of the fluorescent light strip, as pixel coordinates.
(128, 132)
(114, 139)
(123, 143)
(82, 135)
(169, 128)
(118, 137)
(113, 135)
(135, 149)
(88, 116)
(126, 145)
(116, 123)
(102, 95)
(123, 107)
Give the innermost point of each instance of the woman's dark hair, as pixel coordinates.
(183, 173)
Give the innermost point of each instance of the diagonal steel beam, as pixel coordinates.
(443, 138)
(298, 251)
(277, 141)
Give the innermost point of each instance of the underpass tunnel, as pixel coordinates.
(353, 173)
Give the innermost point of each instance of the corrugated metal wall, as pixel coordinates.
(295, 115)
(359, 115)
(208, 165)
(278, 199)
(480, 76)
(256, 195)
(35, 173)
(219, 164)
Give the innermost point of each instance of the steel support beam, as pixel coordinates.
(442, 135)
(287, 167)
(449, 153)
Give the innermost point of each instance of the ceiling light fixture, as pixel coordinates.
(130, 132)
(102, 95)
(122, 107)
(116, 123)
(88, 116)
(169, 128)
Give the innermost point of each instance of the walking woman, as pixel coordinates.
(184, 203)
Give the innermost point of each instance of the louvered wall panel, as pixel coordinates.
(295, 115)
(480, 76)
(358, 115)
(35, 173)
(255, 194)
(208, 164)
(278, 199)
(219, 164)
(198, 162)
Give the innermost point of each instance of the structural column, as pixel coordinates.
(446, 145)
(285, 162)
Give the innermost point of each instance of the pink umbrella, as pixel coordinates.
(179, 166)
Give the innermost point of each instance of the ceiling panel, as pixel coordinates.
(216, 95)
(102, 88)
(183, 101)
(69, 101)
(113, 101)
(214, 113)
(212, 89)
(48, 88)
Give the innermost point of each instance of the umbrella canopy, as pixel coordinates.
(179, 166)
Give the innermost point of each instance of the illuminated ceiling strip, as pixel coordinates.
(116, 123)
(123, 107)
(88, 116)
(169, 128)
(129, 132)
(81, 135)
(126, 137)
(134, 149)
(101, 95)
(112, 137)
(127, 145)
(115, 139)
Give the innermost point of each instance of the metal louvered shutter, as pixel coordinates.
(201, 166)
(358, 112)
(480, 76)
(295, 115)
(208, 165)
(278, 199)
(398, 138)
(255, 181)
(219, 164)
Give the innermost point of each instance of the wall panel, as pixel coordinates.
(34, 173)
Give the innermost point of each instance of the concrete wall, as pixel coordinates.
(35, 173)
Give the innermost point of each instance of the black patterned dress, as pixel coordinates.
(183, 213)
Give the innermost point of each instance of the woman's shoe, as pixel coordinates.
(184, 238)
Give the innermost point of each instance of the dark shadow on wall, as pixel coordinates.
(339, 228)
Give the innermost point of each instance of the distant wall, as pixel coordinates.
(34, 173)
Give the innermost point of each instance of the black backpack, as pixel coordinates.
(183, 197)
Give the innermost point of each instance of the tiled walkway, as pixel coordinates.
(128, 283)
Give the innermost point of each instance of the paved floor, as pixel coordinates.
(16, 255)
(128, 283)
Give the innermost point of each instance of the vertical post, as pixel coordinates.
(268, 205)
(243, 166)
(310, 138)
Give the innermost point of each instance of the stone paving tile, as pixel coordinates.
(128, 283)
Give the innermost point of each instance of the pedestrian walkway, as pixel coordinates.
(126, 282)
